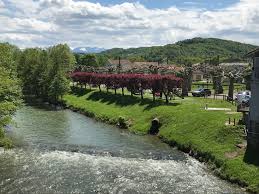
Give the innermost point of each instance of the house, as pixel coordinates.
(198, 75)
(143, 66)
(201, 73)
(123, 62)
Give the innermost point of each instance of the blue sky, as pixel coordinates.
(117, 23)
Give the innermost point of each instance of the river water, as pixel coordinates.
(65, 152)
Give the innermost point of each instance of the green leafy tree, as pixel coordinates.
(89, 60)
(102, 60)
(58, 87)
(61, 58)
(9, 55)
(39, 68)
(30, 68)
(10, 90)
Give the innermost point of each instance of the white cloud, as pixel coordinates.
(1, 4)
(81, 23)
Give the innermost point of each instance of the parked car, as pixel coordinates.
(201, 92)
(243, 98)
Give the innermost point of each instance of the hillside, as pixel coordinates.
(196, 49)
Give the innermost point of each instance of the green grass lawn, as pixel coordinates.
(185, 123)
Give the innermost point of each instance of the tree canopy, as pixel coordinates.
(44, 70)
(10, 90)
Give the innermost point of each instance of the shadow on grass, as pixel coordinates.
(127, 100)
(79, 91)
(251, 156)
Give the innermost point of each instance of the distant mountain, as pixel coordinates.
(196, 50)
(88, 50)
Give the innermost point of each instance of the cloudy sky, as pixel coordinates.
(118, 23)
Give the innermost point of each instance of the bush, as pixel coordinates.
(123, 123)
(6, 143)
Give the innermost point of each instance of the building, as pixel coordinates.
(235, 65)
(253, 124)
(144, 66)
(197, 75)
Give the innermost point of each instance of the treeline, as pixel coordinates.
(44, 72)
(10, 87)
(135, 83)
(90, 60)
(192, 50)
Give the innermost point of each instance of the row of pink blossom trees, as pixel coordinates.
(135, 83)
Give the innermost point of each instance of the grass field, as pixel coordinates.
(185, 124)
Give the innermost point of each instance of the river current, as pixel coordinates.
(65, 152)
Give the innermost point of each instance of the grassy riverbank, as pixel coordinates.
(185, 124)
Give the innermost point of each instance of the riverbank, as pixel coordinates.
(185, 124)
(6, 143)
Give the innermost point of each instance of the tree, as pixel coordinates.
(102, 60)
(133, 82)
(30, 67)
(217, 75)
(37, 68)
(61, 58)
(9, 55)
(232, 73)
(58, 87)
(186, 75)
(10, 89)
(89, 60)
(78, 58)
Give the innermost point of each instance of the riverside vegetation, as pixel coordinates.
(10, 89)
(185, 124)
(36, 72)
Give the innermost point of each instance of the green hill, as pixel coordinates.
(196, 50)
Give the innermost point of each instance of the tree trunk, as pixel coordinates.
(161, 95)
(185, 87)
(141, 92)
(166, 98)
(115, 90)
(100, 88)
(214, 83)
(218, 85)
(154, 96)
(190, 82)
(231, 88)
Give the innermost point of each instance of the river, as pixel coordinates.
(65, 152)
